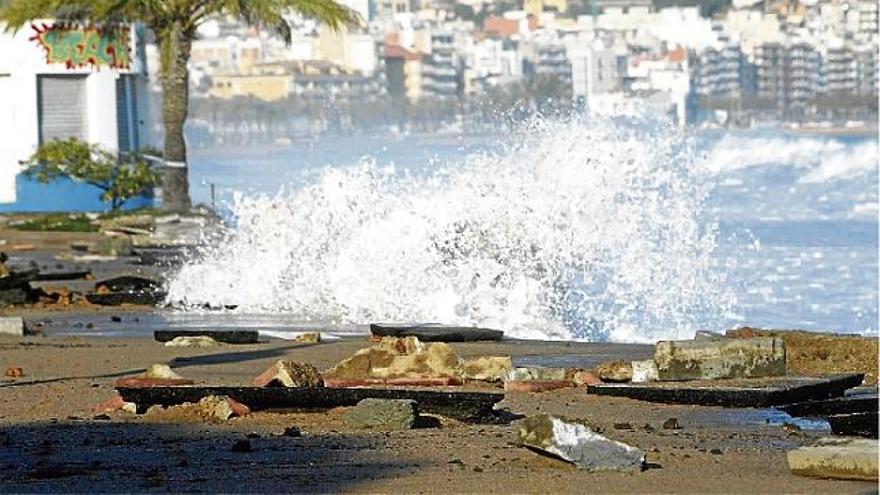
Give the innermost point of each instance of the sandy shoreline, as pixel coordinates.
(53, 441)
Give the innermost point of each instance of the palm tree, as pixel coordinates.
(174, 22)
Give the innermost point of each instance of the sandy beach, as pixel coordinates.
(53, 440)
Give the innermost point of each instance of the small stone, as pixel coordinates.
(129, 407)
(238, 409)
(114, 403)
(383, 414)
(584, 378)
(839, 458)
(13, 372)
(101, 417)
(615, 371)
(12, 325)
(716, 452)
(290, 374)
(241, 446)
(308, 338)
(644, 371)
(791, 428)
(115, 319)
(194, 341)
(162, 372)
(292, 431)
(622, 426)
(671, 424)
(578, 444)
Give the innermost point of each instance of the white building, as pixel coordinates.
(41, 101)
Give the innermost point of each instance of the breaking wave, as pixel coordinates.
(579, 231)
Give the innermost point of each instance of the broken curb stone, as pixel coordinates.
(383, 414)
(578, 444)
(12, 325)
(720, 358)
(615, 371)
(839, 458)
(290, 374)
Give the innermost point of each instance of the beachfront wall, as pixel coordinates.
(53, 88)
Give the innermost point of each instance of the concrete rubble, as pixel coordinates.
(615, 371)
(576, 443)
(194, 341)
(839, 458)
(290, 374)
(213, 409)
(383, 414)
(409, 358)
(712, 359)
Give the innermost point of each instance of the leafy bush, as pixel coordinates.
(79, 161)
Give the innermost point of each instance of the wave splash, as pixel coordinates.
(580, 231)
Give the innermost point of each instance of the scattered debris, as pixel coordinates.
(578, 444)
(465, 406)
(435, 332)
(211, 408)
(615, 371)
(291, 431)
(536, 385)
(290, 374)
(383, 414)
(13, 372)
(308, 338)
(754, 392)
(192, 341)
(12, 325)
(839, 458)
(224, 336)
(713, 359)
(644, 371)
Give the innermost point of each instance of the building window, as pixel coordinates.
(61, 107)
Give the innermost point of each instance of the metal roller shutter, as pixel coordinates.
(62, 107)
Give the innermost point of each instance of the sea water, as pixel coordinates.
(603, 230)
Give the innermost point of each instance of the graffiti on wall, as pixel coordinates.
(76, 46)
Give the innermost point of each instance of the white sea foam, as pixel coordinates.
(820, 160)
(580, 231)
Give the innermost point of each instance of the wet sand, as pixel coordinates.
(52, 440)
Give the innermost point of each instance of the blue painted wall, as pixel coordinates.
(62, 195)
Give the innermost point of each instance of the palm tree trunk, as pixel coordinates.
(174, 44)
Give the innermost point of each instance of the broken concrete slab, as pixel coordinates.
(576, 443)
(225, 336)
(435, 332)
(466, 406)
(861, 424)
(839, 458)
(12, 325)
(712, 359)
(383, 414)
(644, 371)
(756, 392)
(536, 373)
(290, 374)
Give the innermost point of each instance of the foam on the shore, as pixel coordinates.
(580, 231)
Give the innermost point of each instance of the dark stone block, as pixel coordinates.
(861, 424)
(225, 336)
(435, 332)
(758, 392)
(128, 283)
(465, 406)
